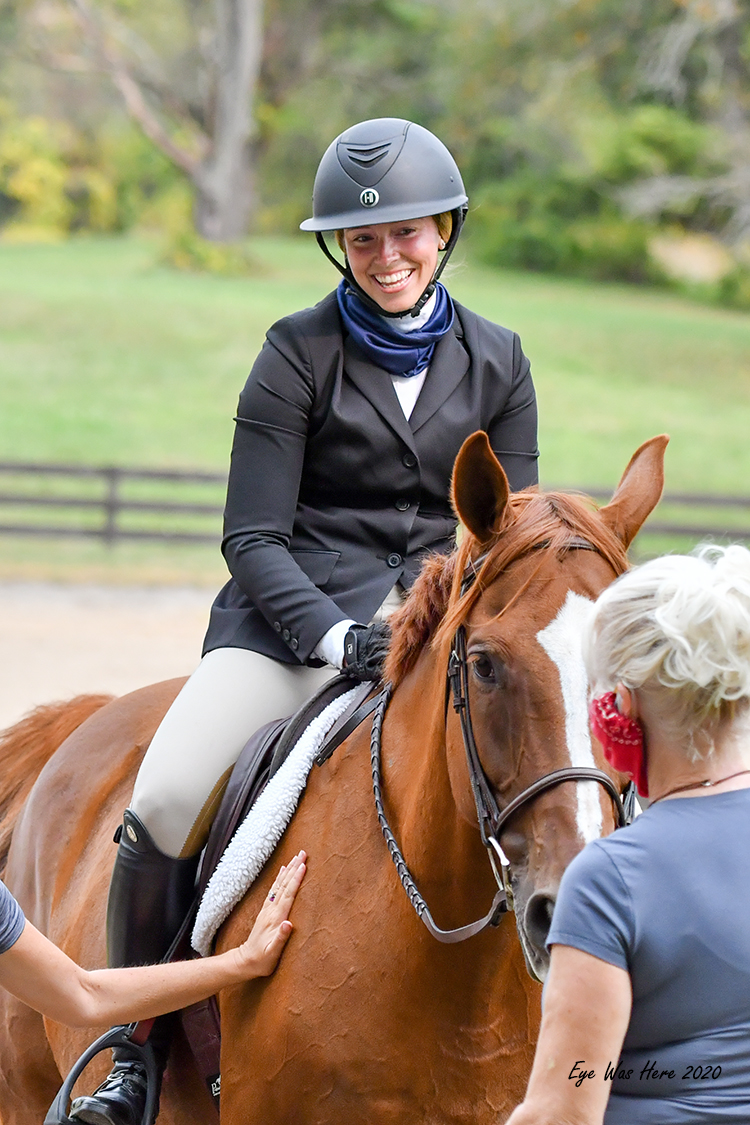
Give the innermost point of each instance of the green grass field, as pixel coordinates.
(106, 357)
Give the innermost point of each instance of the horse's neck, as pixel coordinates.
(414, 754)
(445, 849)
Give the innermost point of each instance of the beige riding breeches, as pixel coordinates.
(230, 695)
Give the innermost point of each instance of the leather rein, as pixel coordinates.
(491, 818)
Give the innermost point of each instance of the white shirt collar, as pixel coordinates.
(412, 323)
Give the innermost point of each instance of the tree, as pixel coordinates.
(204, 126)
(700, 60)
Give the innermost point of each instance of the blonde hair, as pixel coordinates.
(443, 221)
(678, 628)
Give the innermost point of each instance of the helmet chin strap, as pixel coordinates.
(459, 216)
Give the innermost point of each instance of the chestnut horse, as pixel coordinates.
(368, 1020)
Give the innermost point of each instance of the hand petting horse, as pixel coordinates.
(369, 1019)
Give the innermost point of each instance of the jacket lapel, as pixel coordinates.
(376, 386)
(450, 362)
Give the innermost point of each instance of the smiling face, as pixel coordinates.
(394, 262)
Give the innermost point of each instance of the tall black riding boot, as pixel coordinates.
(149, 896)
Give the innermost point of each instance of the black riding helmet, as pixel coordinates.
(383, 171)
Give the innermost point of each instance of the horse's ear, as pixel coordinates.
(639, 490)
(480, 488)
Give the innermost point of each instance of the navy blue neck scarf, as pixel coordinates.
(400, 353)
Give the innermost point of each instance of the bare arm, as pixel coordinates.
(46, 979)
(587, 1005)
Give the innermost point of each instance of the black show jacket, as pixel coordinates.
(333, 495)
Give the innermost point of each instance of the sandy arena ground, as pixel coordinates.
(59, 641)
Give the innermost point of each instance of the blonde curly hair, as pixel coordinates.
(678, 628)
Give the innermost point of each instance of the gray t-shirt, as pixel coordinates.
(668, 900)
(11, 919)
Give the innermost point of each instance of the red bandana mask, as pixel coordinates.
(621, 739)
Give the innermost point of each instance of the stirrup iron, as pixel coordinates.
(115, 1037)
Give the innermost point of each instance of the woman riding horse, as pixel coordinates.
(346, 434)
(369, 1018)
(650, 937)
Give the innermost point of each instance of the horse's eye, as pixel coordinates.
(483, 668)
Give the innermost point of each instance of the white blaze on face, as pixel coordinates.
(561, 640)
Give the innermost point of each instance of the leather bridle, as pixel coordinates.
(492, 819)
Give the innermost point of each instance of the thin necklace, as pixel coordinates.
(706, 784)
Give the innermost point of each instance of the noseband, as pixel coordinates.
(492, 819)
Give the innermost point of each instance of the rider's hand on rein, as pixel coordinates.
(365, 650)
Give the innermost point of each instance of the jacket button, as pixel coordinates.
(294, 644)
(286, 635)
(409, 460)
(402, 504)
(277, 626)
(394, 560)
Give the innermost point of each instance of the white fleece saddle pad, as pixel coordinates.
(256, 838)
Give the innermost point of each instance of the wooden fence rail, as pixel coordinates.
(112, 503)
(711, 516)
(181, 507)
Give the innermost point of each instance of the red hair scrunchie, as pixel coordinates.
(621, 739)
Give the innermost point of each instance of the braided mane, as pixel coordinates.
(435, 606)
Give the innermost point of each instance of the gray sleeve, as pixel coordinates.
(594, 911)
(12, 920)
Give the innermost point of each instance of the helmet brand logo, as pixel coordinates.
(369, 197)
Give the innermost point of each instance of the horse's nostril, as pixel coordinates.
(538, 918)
